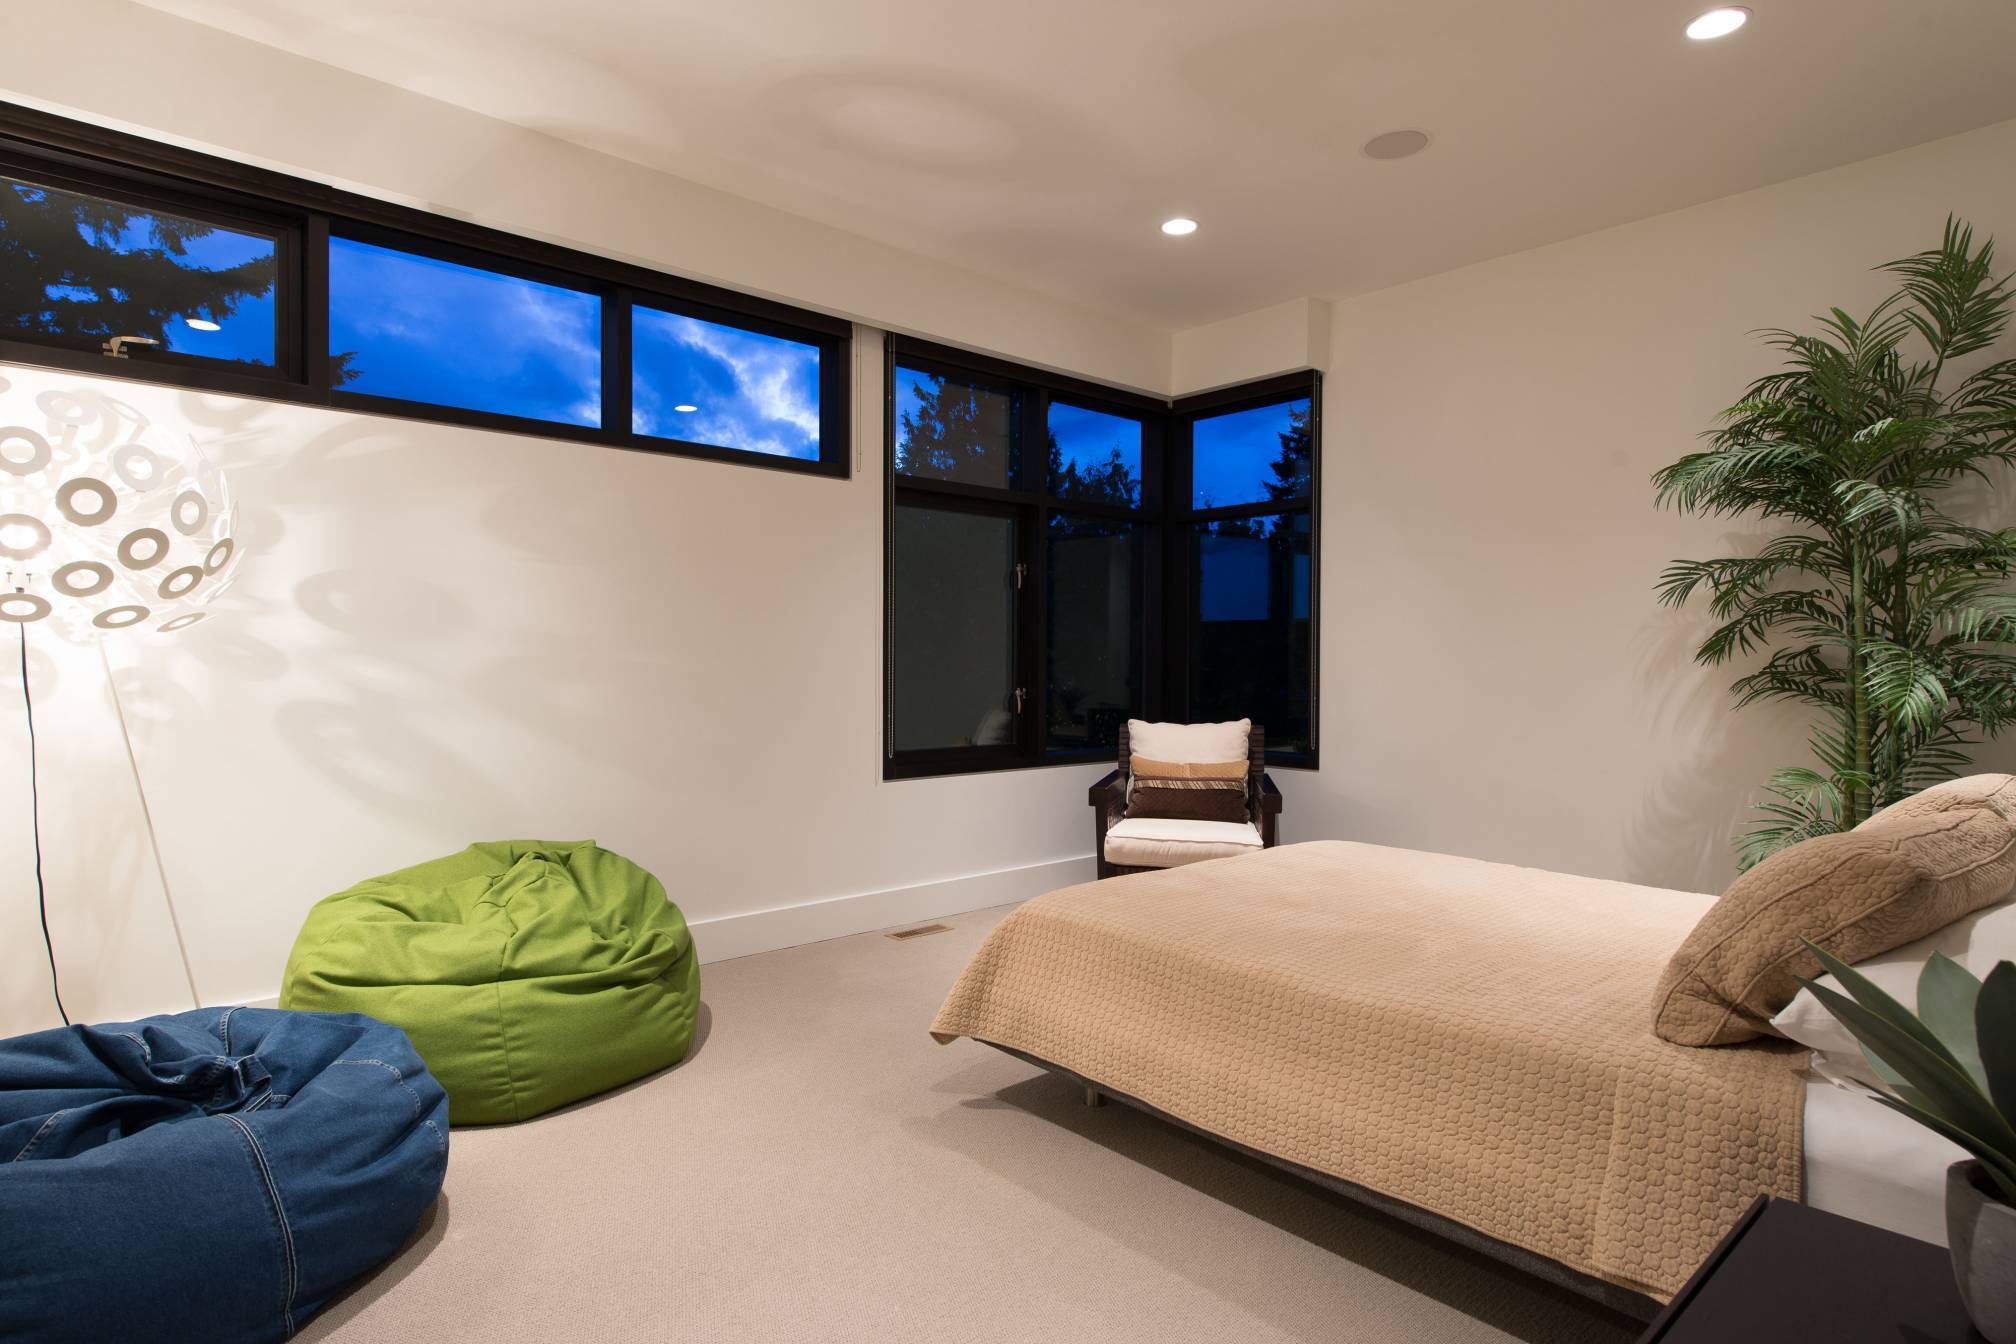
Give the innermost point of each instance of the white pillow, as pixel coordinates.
(1189, 743)
(1976, 941)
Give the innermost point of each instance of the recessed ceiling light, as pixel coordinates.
(200, 324)
(1718, 23)
(1396, 144)
(685, 409)
(1179, 226)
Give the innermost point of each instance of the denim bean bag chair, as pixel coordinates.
(529, 973)
(213, 1175)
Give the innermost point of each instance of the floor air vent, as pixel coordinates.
(919, 931)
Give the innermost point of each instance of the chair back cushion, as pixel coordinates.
(1188, 743)
(1199, 791)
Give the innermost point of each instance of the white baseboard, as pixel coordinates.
(727, 936)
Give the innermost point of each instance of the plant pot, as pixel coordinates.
(1981, 1231)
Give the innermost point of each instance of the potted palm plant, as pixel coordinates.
(1888, 615)
(1951, 1066)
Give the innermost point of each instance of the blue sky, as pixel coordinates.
(434, 331)
(1089, 437)
(1231, 455)
(747, 390)
(247, 335)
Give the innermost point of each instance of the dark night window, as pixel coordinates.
(77, 269)
(1024, 632)
(728, 387)
(954, 627)
(1094, 455)
(1095, 609)
(1157, 560)
(416, 328)
(948, 428)
(1250, 627)
(1249, 646)
(1248, 456)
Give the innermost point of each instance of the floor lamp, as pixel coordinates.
(109, 521)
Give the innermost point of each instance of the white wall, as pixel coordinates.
(1497, 679)
(1249, 346)
(138, 69)
(440, 636)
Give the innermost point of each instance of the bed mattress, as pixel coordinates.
(1471, 1038)
(1865, 1161)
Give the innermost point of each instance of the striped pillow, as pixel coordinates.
(1189, 791)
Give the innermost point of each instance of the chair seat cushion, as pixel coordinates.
(529, 973)
(214, 1175)
(1169, 842)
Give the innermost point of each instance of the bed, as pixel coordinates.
(1467, 1045)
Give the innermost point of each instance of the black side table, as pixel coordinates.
(1787, 1272)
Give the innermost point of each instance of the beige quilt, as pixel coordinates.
(1469, 1037)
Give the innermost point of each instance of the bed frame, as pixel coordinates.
(1614, 1296)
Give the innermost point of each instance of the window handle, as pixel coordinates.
(1021, 573)
(1020, 696)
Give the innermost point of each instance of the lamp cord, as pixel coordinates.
(35, 815)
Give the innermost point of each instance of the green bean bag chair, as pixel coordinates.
(528, 973)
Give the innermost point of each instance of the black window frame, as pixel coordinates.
(1180, 602)
(1165, 520)
(1027, 494)
(77, 156)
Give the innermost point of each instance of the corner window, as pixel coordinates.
(1154, 560)
(1245, 552)
(78, 269)
(1018, 627)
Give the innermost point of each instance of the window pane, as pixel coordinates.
(1246, 457)
(1095, 619)
(954, 431)
(408, 326)
(1094, 455)
(704, 382)
(953, 627)
(1250, 608)
(88, 268)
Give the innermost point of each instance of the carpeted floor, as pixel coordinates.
(818, 1169)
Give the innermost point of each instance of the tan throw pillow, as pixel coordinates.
(1995, 792)
(1904, 873)
(1188, 790)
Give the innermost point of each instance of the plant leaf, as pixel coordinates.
(2001, 1166)
(1995, 1030)
(1947, 1091)
(1870, 996)
(1946, 996)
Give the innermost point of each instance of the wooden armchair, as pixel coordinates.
(1109, 807)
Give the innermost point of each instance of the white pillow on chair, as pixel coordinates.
(1189, 743)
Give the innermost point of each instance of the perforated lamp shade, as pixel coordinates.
(108, 520)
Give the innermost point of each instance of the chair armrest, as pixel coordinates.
(1108, 790)
(1270, 797)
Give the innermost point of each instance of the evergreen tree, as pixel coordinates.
(77, 265)
(946, 432)
(1291, 468)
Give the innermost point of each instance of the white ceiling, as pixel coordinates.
(1044, 141)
